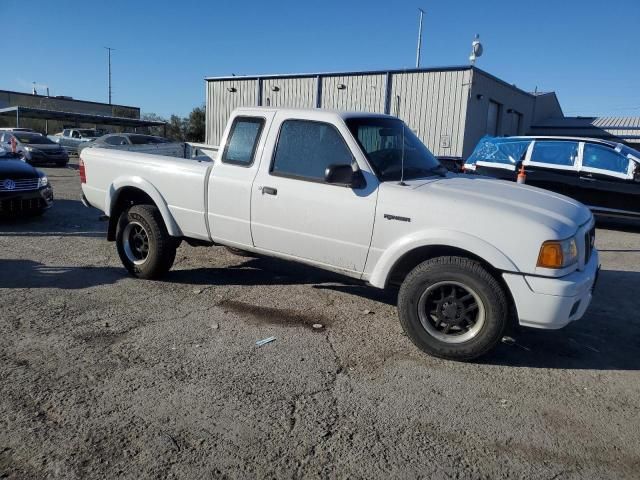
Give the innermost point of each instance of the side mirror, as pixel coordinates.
(343, 175)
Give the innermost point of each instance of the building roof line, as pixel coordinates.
(339, 73)
(53, 97)
(453, 68)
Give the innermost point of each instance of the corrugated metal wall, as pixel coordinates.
(289, 92)
(434, 105)
(222, 98)
(361, 92)
(446, 108)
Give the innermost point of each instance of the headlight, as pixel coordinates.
(558, 253)
(29, 149)
(43, 182)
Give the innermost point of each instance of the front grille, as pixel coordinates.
(19, 184)
(589, 244)
(17, 205)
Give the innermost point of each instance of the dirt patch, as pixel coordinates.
(277, 316)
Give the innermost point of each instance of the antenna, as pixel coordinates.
(109, 49)
(402, 159)
(476, 49)
(419, 38)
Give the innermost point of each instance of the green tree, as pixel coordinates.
(195, 131)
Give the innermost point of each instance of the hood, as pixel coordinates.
(510, 218)
(15, 169)
(563, 214)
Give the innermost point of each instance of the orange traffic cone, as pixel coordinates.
(522, 176)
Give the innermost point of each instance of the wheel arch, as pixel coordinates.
(400, 258)
(126, 192)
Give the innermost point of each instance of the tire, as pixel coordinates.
(145, 247)
(61, 164)
(435, 306)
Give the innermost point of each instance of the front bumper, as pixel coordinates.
(45, 158)
(14, 203)
(552, 303)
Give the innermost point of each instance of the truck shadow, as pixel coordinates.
(606, 338)
(30, 274)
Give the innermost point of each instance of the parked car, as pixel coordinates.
(17, 129)
(359, 194)
(119, 140)
(23, 189)
(603, 175)
(34, 148)
(71, 138)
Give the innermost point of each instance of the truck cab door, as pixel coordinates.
(296, 213)
(231, 179)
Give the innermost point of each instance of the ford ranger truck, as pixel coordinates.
(359, 194)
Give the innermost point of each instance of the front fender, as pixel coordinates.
(141, 184)
(437, 237)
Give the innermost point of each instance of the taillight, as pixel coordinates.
(83, 175)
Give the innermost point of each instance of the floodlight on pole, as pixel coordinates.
(476, 49)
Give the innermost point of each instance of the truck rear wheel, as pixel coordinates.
(145, 247)
(453, 308)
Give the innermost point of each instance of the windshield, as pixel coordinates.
(381, 142)
(32, 138)
(508, 150)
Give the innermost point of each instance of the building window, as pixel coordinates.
(517, 123)
(493, 118)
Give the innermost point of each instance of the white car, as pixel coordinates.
(359, 194)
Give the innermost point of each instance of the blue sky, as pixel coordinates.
(587, 51)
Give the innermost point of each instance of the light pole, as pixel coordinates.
(109, 58)
(419, 38)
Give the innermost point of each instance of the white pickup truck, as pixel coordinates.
(359, 194)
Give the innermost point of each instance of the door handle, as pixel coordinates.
(588, 179)
(269, 190)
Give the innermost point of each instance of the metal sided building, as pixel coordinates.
(449, 108)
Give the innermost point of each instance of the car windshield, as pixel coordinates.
(507, 150)
(32, 138)
(381, 140)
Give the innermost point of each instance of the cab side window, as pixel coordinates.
(604, 158)
(243, 141)
(555, 153)
(306, 148)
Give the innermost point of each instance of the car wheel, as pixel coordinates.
(453, 308)
(61, 164)
(145, 247)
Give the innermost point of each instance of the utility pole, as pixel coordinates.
(419, 38)
(109, 57)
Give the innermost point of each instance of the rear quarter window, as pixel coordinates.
(243, 141)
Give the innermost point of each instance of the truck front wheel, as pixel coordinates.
(144, 245)
(453, 308)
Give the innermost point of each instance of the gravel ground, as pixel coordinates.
(104, 376)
